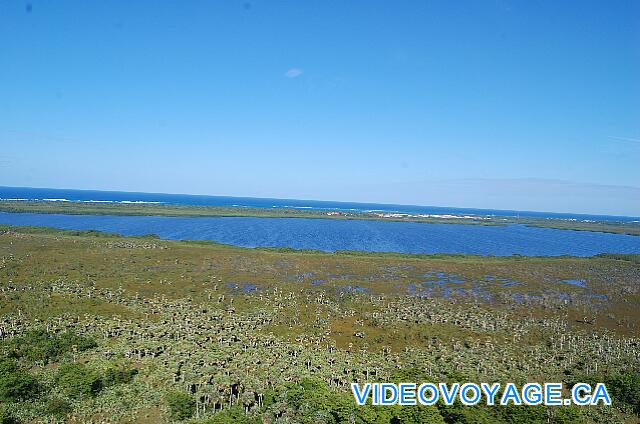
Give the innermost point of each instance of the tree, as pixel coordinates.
(625, 388)
(59, 408)
(233, 415)
(459, 413)
(41, 346)
(181, 405)
(118, 374)
(416, 414)
(78, 381)
(15, 383)
(6, 417)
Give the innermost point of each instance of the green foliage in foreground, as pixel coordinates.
(624, 388)
(58, 408)
(234, 415)
(306, 401)
(40, 346)
(6, 417)
(15, 383)
(310, 401)
(71, 382)
(181, 405)
(118, 374)
(78, 381)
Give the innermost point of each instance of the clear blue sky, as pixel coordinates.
(497, 104)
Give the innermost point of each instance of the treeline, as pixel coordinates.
(22, 388)
(311, 401)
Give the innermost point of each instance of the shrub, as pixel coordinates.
(416, 414)
(15, 383)
(118, 375)
(6, 417)
(522, 414)
(315, 402)
(59, 408)
(78, 381)
(460, 414)
(625, 388)
(39, 345)
(569, 415)
(233, 415)
(181, 405)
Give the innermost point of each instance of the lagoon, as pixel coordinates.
(331, 235)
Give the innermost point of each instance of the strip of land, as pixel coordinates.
(136, 209)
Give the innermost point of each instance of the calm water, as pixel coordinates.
(331, 235)
(187, 199)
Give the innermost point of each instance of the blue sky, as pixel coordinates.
(497, 104)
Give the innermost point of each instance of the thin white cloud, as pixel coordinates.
(293, 73)
(629, 139)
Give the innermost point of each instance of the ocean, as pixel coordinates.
(26, 193)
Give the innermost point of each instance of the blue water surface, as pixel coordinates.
(332, 235)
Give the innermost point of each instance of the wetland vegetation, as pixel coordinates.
(95, 327)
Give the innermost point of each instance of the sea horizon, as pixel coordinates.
(116, 196)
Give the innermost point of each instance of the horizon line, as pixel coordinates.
(318, 200)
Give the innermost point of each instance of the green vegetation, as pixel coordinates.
(78, 381)
(15, 384)
(623, 387)
(630, 257)
(100, 328)
(181, 405)
(617, 227)
(118, 374)
(40, 346)
(58, 409)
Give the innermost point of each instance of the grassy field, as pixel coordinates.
(101, 328)
(79, 208)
